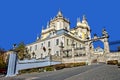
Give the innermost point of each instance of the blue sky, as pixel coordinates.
(22, 20)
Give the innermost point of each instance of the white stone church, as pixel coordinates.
(58, 39)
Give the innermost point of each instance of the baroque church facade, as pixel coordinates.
(58, 39)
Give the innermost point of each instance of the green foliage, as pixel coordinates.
(2, 63)
(69, 65)
(29, 70)
(59, 66)
(2, 58)
(22, 51)
(49, 68)
(112, 62)
(79, 64)
(42, 69)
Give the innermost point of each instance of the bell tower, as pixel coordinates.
(59, 22)
(83, 28)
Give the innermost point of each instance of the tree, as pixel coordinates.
(20, 50)
(2, 51)
(2, 58)
(26, 54)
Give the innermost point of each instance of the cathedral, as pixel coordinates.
(58, 39)
(58, 43)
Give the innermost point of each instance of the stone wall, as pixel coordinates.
(113, 56)
(75, 59)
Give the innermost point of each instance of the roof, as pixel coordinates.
(99, 49)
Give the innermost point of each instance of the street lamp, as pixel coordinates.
(14, 46)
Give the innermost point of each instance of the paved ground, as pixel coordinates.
(1, 75)
(92, 72)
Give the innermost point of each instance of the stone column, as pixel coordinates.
(106, 46)
(11, 70)
(106, 49)
(73, 52)
(87, 49)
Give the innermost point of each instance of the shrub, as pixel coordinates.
(59, 66)
(2, 62)
(79, 64)
(29, 70)
(118, 65)
(49, 68)
(112, 62)
(69, 65)
(3, 65)
(42, 69)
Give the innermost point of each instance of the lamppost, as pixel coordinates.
(49, 55)
(14, 46)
